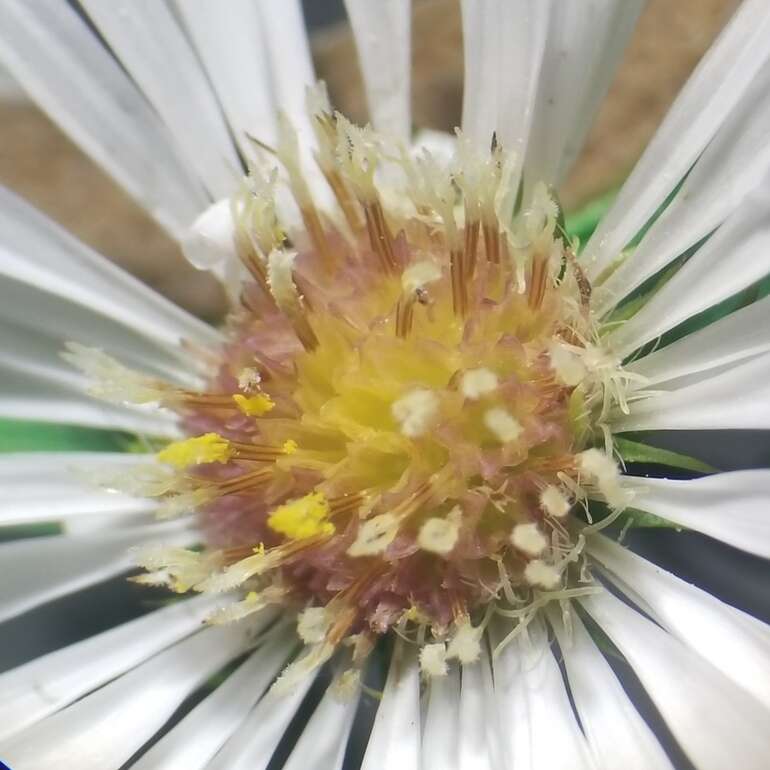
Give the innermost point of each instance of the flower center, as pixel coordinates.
(398, 432)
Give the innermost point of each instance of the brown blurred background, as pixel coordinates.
(40, 163)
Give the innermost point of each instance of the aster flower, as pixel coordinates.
(391, 468)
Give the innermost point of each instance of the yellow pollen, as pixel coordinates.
(208, 448)
(259, 550)
(254, 406)
(289, 447)
(306, 517)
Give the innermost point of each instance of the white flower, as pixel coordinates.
(168, 122)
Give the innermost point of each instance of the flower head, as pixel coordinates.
(406, 439)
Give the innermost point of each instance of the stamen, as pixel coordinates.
(208, 448)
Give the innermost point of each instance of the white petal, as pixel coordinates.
(395, 738)
(26, 306)
(504, 43)
(36, 356)
(106, 727)
(731, 507)
(742, 334)
(732, 259)
(585, 41)
(617, 735)
(47, 684)
(73, 77)
(148, 41)
(24, 398)
(229, 40)
(43, 486)
(324, 739)
(383, 40)
(197, 738)
(735, 398)
(40, 569)
(292, 72)
(479, 738)
(716, 723)
(734, 164)
(718, 84)
(439, 737)
(253, 743)
(736, 643)
(534, 708)
(38, 252)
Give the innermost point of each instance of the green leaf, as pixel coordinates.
(636, 452)
(20, 531)
(20, 436)
(581, 223)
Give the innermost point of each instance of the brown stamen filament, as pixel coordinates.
(491, 242)
(538, 281)
(380, 238)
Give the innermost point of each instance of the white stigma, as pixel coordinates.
(312, 624)
(439, 535)
(568, 366)
(414, 411)
(465, 645)
(528, 538)
(433, 660)
(374, 535)
(505, 427)
(538, 573)
(478, 382)
(554, 502)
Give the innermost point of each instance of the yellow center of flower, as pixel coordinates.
(406, 408)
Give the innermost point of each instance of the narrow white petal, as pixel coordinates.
(324, 739)
(742, 334)
(734, 164)
(291, 68)
(731, 507)
(736, 643)
(504, 43)
(439, 737)
(197, 738)
(737, 397)
(383, 40)
(253, 743)
(585, 41)
(716, 723)
(36, 356)
(40, 569)
(35, 251)
(715, 88)
(479, 737)
(534, 708)
(27, 306)
(617, 735)
(45, 685)
(732, 259)
(150, 44)
(73, 77)
(229, 40)
(106, 727)
(52, 486)
(395, 737)
(25, 398)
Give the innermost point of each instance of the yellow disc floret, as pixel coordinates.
(306, 517)
(208, 448)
